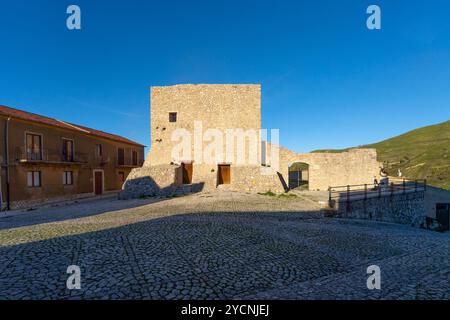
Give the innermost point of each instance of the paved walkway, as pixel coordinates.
(216, 246)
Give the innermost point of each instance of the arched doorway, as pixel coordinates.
(299, 176)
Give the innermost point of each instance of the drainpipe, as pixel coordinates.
(8, 207)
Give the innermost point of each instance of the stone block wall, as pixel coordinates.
(151, 181)
(405, 208)
(158, 180)
(434, 196)
(357, 166)
(255, 179)
(217, 106)
(225, 107)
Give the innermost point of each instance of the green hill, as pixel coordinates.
(423, 153)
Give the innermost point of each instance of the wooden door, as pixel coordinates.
(34, 146)
(224, 174)
(121, 156)
(98, 182)
(134, 158)
(67, 150)
(187, 173)
(443, 214)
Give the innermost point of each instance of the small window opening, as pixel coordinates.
(172, 117)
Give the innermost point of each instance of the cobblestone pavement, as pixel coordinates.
(216, 246)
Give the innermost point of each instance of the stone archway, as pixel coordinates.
(298, 176)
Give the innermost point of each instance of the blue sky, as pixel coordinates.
(327, 81)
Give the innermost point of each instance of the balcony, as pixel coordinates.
(49, 156)
(128, 163)
(101, 160)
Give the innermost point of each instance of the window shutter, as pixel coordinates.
(30, 179)
(37, 178)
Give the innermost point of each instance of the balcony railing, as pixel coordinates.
(365, 191)
(58, 157)
(101, 160)
(128, 162)
(24, 155)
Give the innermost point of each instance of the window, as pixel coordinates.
(34, 146)
(98, 150)
(122, 176)
(68, 177)
(134, 158)
(67, 150)
(121, 156)
(172, 117)
(34, 179)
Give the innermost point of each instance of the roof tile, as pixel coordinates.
(28, 116)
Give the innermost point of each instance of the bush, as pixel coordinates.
(268, 193)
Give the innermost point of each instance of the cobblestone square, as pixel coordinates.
(221, 245)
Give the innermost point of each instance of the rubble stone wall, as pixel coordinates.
(406, 208)
(357, 166)
(225, 107)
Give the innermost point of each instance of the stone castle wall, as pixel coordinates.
(151, 181)
(166, 180)
(225, 107)
(357, 166)
(399, 208)
(219, 107)
(256, 179)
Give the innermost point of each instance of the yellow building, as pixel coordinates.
(45, 160)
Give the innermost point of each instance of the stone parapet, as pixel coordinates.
(408, 208)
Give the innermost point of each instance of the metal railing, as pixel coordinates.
(128, 162)
(49, 155)
(376, 190)
(101, 160)
(23, 155)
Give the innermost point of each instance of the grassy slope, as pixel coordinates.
(423, 153)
